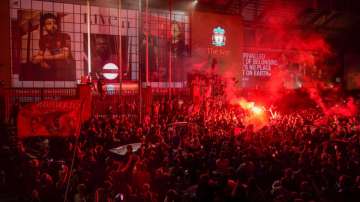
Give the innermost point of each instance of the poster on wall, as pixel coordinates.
(163, 36)
(49, 41)
(258, 67)
(45, 51)
(265, 69)
(216, 42)
(158, 58)
(105, 57)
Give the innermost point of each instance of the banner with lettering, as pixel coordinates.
(258, 67)
(50, 118)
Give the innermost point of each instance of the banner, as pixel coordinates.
(48, 42)
(50, 118)
(43, 49)
(258, 67)
(272, 69)
(122, 150)
(164, 34)
(105, 51)
(216, 42)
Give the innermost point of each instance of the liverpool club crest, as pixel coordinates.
(218, 37)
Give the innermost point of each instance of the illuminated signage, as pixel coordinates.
(217, 47)
(110, 71)
(218, 37)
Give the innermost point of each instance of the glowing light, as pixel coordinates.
(110, 71)
(192, 4)
(256, 110)
(110, 89)
(245, 104)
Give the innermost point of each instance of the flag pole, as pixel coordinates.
(88, 35)
(139, 68)
(170, 50)
(120, 51)
(147, 42)
(74, 153)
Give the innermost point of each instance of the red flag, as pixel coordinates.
(50, 118)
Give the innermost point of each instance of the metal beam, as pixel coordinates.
(330, 17)
(316, 17)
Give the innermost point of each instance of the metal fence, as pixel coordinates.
(115, 102)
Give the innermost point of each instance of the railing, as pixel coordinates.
(101, 104)
(118, 102)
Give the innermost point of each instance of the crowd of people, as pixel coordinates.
(213, 155)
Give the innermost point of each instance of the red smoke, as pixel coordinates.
(348, 108)
(340, 107)
(302, 60)
(303, 56)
